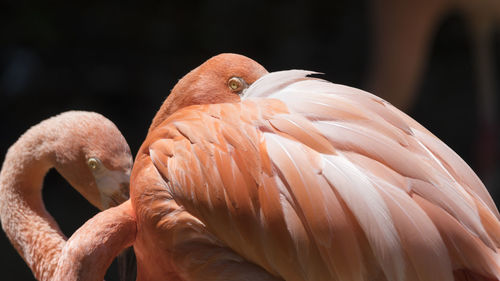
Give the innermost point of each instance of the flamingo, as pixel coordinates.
(249, 175)
(89, 151)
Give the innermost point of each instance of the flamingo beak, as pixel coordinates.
(113, 187)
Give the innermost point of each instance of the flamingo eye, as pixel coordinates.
(236, 84)
(94, 163)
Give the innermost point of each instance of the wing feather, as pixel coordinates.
(419, 237)
(312, 199)
(459, 169)
(352, 136)
(371, 212)
(466, 250)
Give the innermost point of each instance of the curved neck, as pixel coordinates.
(91, 249)
(30, 228)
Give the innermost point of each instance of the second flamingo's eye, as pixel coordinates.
(236, 84)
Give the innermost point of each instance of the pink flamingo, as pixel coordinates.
(249, 175)
(88, 151)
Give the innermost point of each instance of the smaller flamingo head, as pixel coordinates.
(94, 158)
(221, 79)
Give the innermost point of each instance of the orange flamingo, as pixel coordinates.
(246, 175)
(88, 151)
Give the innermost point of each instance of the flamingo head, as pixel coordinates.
(221, 79)
(94, 158)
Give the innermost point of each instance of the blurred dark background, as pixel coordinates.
(122, 58)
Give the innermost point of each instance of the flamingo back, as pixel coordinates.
(316, 181)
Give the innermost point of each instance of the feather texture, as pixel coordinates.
(315, 181)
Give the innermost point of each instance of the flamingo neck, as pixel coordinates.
(30, 228)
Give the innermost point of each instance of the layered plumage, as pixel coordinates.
(302, 179)
(316, 181)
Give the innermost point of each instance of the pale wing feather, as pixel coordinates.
(312, 198)
(467, 250)
(449, 158)
(276, 81)
(314, 89)
(299, 95)
(422, 243)
(377, 109)
(457, 166)
(371, 212)
(351, 137)
(459, 190)
(419, 237)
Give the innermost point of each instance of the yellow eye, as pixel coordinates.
(94, 163)
(236, 84)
